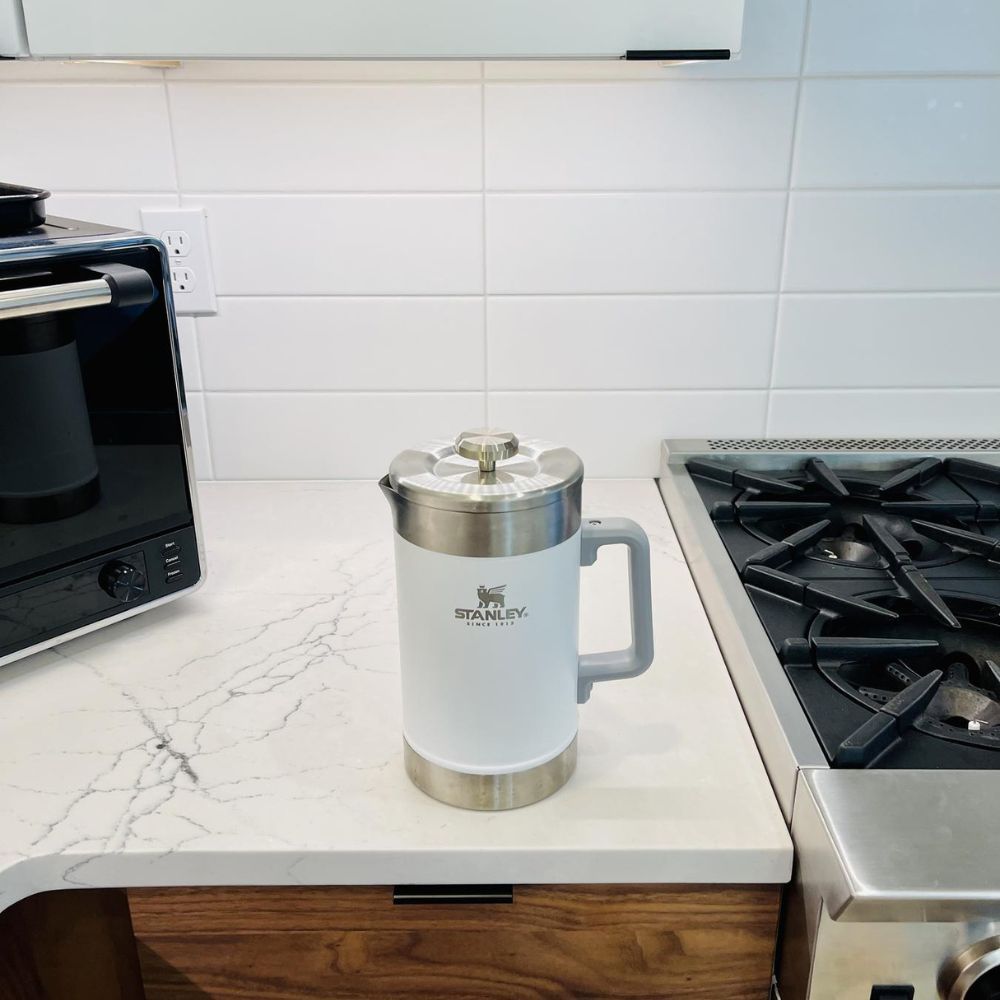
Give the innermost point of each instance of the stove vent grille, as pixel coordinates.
(853, 444)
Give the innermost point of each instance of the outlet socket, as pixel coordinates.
(184, 233)
(177, 242)
(183, 281)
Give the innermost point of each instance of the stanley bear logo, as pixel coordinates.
(488, 596)
(492, 611)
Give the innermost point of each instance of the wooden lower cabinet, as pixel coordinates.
(592, 941)
(74, 944)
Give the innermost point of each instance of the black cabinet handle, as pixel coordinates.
(432, 895)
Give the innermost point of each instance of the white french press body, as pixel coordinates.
(489, 543)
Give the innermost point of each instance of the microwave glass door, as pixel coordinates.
(92, 453)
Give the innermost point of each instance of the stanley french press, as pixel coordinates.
(489, 543)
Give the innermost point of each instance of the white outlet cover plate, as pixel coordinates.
(198, 298)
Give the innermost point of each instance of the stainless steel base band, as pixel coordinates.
(490, 791)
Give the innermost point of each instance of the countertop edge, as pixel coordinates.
(755, 866)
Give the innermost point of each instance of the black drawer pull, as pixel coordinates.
(430, 895)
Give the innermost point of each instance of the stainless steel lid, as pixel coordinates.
(485, 471)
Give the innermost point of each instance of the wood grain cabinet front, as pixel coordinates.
(354, 943)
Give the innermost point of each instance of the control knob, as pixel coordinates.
(973, 975)
(123, 581)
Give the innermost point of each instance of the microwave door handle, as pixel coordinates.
(54, 298)
(113, 284)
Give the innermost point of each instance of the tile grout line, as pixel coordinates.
(203, 393)
(193, 430)
(473, 391)
(783, 260)
(390, 296)
(196, 335)
(592, 391)
(914, 74)
(636, 192)
(526, 80)
(486, 309)
(173, 139)
(883, 389)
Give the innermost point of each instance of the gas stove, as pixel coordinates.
(880, 592)
(854, 587)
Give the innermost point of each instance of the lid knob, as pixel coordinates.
(487, 447)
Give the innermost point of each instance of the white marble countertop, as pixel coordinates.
(250, 733)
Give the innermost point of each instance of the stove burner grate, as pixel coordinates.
(895, 556)
(852, 506)
(911, 672)
(880, 591)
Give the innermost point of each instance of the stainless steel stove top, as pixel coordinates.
(796, 547)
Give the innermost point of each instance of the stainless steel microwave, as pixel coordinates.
(98, 512)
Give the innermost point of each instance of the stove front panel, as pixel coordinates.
(896, 887)
(876, 961)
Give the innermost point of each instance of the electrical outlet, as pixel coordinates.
(183, 281)
(184, 234)
(177, 242)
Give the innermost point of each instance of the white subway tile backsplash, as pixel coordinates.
(624, 136)
(382, 137)
(772, 46)
(49, 138)
(344, 244)
(594, 252)
(187, 337)
(630, 342)
(329, 435)
(888, 340)
(885, 413)
(640, 243)
(619, 433)
(894, 241)
(903, 36)
(344, 344)
(198, 425)
(879, 133)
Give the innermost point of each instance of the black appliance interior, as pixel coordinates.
(96, 512)
(880, 592)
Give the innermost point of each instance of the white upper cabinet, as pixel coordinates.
(12, 38)
(372, 29)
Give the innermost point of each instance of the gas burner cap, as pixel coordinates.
(847, 550)
(963, 706)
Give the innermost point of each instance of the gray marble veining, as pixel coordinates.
(250, 733)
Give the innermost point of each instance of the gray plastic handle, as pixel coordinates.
(621, 663)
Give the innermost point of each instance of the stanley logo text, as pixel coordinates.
(492, 609)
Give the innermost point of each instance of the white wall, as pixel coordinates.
(804, 242)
